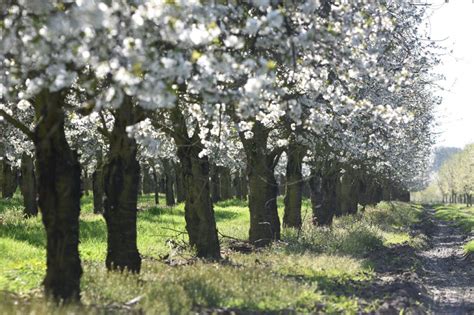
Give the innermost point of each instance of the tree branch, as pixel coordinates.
(17, 124)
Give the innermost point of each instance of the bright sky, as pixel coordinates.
(452, 24)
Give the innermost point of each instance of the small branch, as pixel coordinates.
(104, 130)
(230, 237)
(17, 124)
(177, 231)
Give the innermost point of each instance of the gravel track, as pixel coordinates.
(447, 275)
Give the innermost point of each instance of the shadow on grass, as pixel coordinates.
(222, 215)
(33, 235)
(153, 214)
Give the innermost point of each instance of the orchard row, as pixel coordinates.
(215, 97)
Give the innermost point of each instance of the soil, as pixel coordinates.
(438, 279)
(448, 274)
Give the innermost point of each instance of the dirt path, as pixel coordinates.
(447, 276)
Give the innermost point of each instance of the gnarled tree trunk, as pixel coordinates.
(28, 186)
(263, 188)
(121, 181)
(199, 212)
(59, 193)
(294, 186)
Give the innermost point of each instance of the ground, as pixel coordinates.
(385, 259)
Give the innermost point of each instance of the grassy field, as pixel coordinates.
(315, 269)
(462, 215)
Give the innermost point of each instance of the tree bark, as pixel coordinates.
(215, 183)
(325, 213)
(10, 179)
(28, 186)
(168, 183)
(156, 187)
(348, 194)
(148, 183)
(263, 188)
(180, 193)
(237, 183)
(121, 181)
(59, 193)
(226, 183)
(245, 186)
(316, 194)
(85, 183)
(294, 186)
(199, 212)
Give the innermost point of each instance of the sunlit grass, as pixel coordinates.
(463, 217)
(315, 269)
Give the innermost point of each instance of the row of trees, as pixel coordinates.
(455, 178)
(214, 98)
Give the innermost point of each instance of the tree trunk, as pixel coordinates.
(281, 184)
(85, 183)
(98, 190)
(245, 186)
(348, 197)
(148, 183)
(180, 193)
(59, 193)
(263, 188)
(28, 186)
(10, 179)
(316, 194)
(325, 213)
(121, 179)
(215, 183)
(169, 184)
(226, 183)
(294, 186)
(199, 212)
(237, 183)
(156, 187)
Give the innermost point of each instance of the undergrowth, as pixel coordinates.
(314, 269)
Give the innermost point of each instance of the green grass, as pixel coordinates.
(315, 269)
(469, 247)
(460, 214)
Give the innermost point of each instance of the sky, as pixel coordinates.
(451, 24)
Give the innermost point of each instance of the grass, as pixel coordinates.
(463, 216)
(312, 270)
